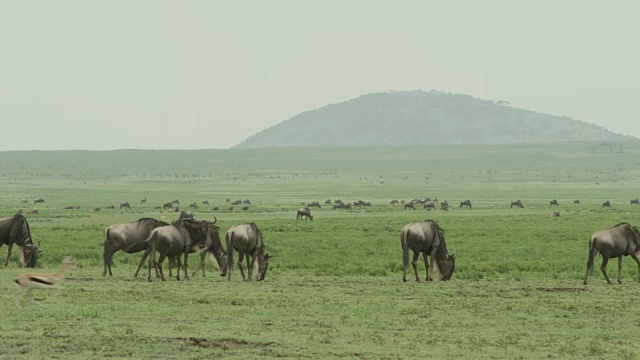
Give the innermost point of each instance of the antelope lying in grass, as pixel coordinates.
(29, 281)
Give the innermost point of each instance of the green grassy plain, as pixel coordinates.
(334, 288)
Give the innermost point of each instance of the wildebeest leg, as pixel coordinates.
(144, 257)
(186, 267)
(433, 263)
(6, 262)
(603, 268)
(426, 266)
(203, 254)
(414, 263)
(240, 258)
(159, 267)
(179, 267)
(620, 269)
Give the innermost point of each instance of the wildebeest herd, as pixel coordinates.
(186, 235)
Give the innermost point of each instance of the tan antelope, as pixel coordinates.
(29, 281)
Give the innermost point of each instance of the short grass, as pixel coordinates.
(334, 288)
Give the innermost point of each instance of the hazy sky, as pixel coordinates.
(207, 74)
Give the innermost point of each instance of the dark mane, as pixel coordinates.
(141, 220)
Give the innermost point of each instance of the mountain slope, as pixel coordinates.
(423, 118)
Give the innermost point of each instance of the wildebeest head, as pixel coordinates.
(29, 254)
(263, 266)
(449, 267)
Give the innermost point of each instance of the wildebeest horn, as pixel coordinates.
(214, 219)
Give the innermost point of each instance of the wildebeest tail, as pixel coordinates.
(229, 238)
(592, 255)
(108, 256)
(405, 249)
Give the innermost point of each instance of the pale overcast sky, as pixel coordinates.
(207, 74)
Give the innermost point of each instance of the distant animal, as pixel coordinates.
(444, 205)
(245, 208)
(38, 201)
(33, 212)
(555, 214)
(304, 212)
(426, 237)
(237, 202)
(466, 203)
(618, 241)
(576, 201)
(409, 206)
(71, 207)
(193, 205)
(24, 201)
(314, 203)
(129, 237)
(95, 209)
(429, 205)
(553, 202)
(143, 201)
(205, 202)
(216, 208)
(394, 202)
(338, 201)
(606, 204)
(517, 203)
(125, 204)
(246, 202)
(327, 202)
(634, 201)
(186, 215)
(167, 205)
(227, 200)
(174, 209)
(247, 240)
(110, 207)
(27, 282)
(366, 204)
(15, 230)
(358, 203)
(175, 201)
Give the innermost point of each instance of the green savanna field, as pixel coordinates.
(334, 288)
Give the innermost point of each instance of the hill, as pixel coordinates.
(424, 118)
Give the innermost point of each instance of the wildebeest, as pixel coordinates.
(517, 203)
(174, 240)
(618, 241)
(246, 202)
(327, 202)
(95, 210)
(237, 202)
(426, 237)
(128, 237)
(33, 212)
(314, 204)
(125, 204)
(186, 215)
(205, 202)
(409, 206)
(193, 205)
(175, 201)
(71, 207)
(247, 240)
(110, 207)
(143, 201)
(634, 201)
(24, 201)
(466, 203)
(555, 214)
(576, 201)
(38, 201)
(429, 205)
(394, 202)
(444, 205)
(553, 202)
(245, 208)
(15, 230)
(167, 205)
(304, 212)
(606, 204)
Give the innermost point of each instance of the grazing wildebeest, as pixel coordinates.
(246, 239)
(555, 214)
(618, 241)
(71, 207)
(186, 215)
(366, 203)
(304, 212)
(237, 202)
(15, 230)
(314, 204)
(227, 200)
(216, 208)
(205, 202)
(38, 201)
(246, 202)
(34, 211)
(429, 205)
(338, 201)
(125, 204)
(466, 203)
(606, 204)
(517, 203)
(358, 203)
(167, 205)
(193, 205)
(327, 202)
(143, 201)
(409, 206)
(444, 205)
(634, 201)
(245, 208)
(426, 237)
(394, 202)
(176, 201)
(110, 207)
(24, 201)
(576, 201)
(183, 236)
(553, 202)
(129, 237)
